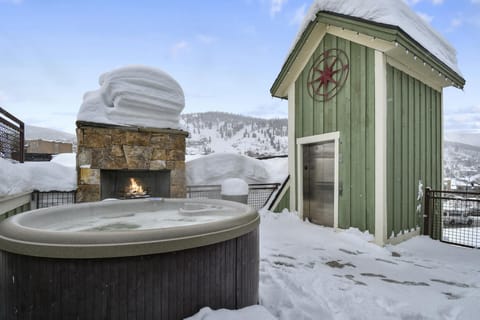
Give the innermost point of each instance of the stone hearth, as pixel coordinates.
(111, 147)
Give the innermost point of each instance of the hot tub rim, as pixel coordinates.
(132, 243)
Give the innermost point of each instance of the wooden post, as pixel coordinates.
(427, 213)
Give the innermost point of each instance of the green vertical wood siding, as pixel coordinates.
(352, 113)
(413, 147)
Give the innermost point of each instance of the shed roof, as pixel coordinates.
(387, 14)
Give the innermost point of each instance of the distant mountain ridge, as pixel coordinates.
(47, 134)
(226, 132)
(256, 137)
(461, 161)
(467, 137)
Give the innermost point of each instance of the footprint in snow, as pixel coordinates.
(373, 275)
(352, 278)
(339, 265)
(351, 252)
(415, 264)
(406, 283)
(283, 264)
(386, 261)
(452, 296)
(451, 283)
(280, 255)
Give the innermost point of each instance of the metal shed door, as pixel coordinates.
(319, 182)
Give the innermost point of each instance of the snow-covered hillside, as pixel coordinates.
(34, 133)
(217, 132)
(461, 162)
(224, 132)
(211, 132)
(471, 137)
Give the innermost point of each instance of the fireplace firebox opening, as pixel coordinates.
(133, 184)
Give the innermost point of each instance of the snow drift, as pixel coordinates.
(41, 176)
(134, 96)
(234, 187)
(215, 168)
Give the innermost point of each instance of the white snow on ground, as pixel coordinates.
(15, 179)
(248, 313)
(391, 12)
(42, 176)
(135, 96)
(313, 272)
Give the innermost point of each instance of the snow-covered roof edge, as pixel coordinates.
(392, 14)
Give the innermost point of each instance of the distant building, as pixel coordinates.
(42, 150)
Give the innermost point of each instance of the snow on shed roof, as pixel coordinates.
(390, 12)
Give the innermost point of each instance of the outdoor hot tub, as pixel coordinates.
(137, 259)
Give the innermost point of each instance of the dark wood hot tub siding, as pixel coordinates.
(162, 286)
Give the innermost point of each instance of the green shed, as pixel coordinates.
(364, 83)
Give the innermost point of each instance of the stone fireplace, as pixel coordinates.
(124, 162)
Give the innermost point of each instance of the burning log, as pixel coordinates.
(135, 190)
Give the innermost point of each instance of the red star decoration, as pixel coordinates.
(326, 76)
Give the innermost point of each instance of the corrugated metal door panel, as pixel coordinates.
(319, 181)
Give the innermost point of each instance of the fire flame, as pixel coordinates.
(135, 188)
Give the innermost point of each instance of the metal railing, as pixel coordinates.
(12, 136)
(53, 198)
(453, 217)
(257, 197)
(258, 194)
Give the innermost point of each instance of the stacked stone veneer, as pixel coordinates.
(124, 148)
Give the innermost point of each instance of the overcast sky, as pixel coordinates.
(225, 54)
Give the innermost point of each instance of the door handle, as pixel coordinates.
(340, 188)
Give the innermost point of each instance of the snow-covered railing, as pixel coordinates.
(258, 193)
